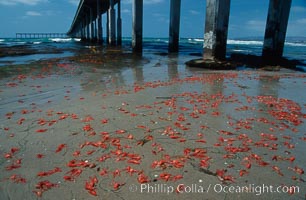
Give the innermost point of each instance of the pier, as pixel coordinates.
(41, 35)
(87, 25)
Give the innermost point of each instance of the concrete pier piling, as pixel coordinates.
(119, 24)
(83, 37)
(216, 28)
(174, 27)
(107, 27)
(99, 21)
(92, 26)
(137, 25)
(87, 27)
(276, 28)
(112, 23)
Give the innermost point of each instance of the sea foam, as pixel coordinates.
(61, 39)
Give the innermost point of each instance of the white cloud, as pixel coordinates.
(74, 2)
(25, 2)
(298, 9)
(194, 12)
(256, 22)
(33, 13)
(160, 17)
(148, 2)
(297, 27)
(152, 1)
(126, 11)
(301, 21)
(256, 25)
(50, 12)
(40, 13)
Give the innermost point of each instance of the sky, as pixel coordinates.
(247, 17)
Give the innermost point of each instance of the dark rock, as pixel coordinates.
(247, 60)
(211, 64)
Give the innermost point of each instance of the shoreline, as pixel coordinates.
(233, 61)
(24, 50)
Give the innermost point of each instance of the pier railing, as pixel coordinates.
(41, 35)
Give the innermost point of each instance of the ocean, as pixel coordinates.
(295, 48)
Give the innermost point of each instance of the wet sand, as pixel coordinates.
(22, 50)
(124, 127)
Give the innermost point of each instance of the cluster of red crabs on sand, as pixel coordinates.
(108, 155)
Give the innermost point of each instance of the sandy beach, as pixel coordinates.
(110, 125)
